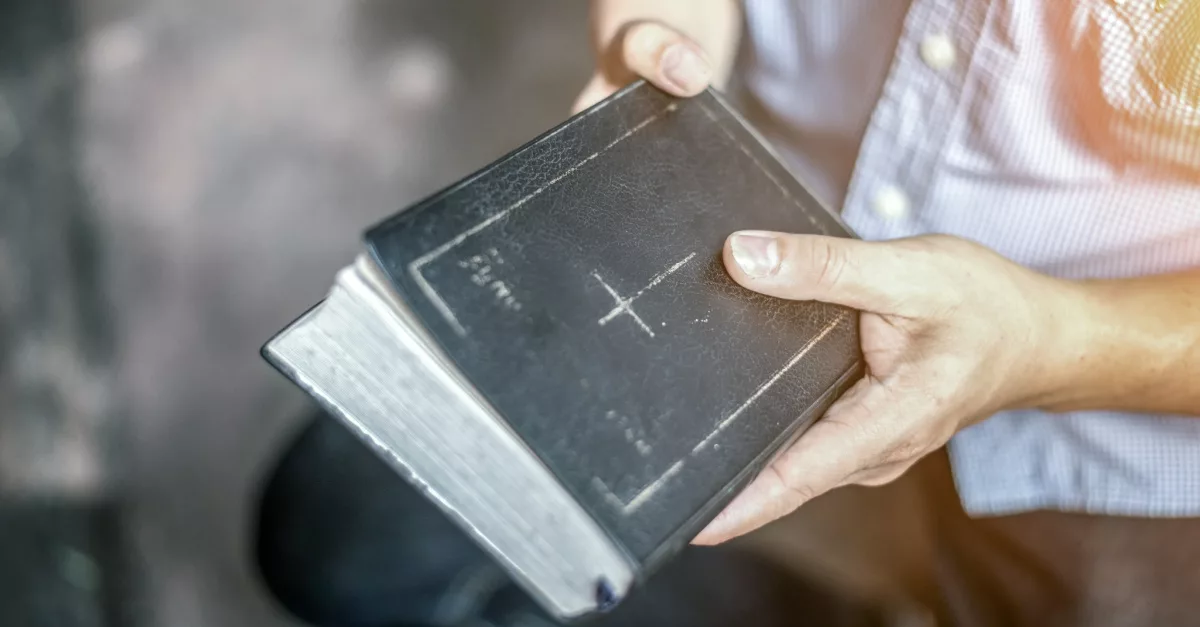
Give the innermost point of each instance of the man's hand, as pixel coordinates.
(951, 333)
(681, 46)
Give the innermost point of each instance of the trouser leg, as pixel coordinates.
(1060, 569)
(344, 540)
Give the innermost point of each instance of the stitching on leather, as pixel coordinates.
(646, 493)
(782, 189)
(653, 487)
(414, 268)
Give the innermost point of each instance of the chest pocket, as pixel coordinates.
(1137, 76)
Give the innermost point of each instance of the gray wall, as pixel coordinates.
(211, 165)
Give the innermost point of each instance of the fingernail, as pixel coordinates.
(685, 69)
(757, 255)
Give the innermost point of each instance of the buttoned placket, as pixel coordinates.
(917, 111)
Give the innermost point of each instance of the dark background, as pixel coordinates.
(178, 179)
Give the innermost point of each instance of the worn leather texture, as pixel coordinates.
(578, 283)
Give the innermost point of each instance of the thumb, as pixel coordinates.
(651, 50)
(660, 54)
(868, 276)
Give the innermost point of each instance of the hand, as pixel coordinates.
(646, 39)
(951, 333)
(654, 52)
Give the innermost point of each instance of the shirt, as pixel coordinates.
(1061, 134)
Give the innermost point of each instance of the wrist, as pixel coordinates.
(1107, 344)
(1060, 324)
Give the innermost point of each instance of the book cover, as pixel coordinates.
(577, 283)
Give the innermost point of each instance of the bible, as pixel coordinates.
(552, 351)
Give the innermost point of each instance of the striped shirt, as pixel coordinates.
(1065, 135)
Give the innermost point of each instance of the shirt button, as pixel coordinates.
(938, 52)
(890, 202)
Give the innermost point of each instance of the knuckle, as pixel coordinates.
(929, 249)
(906, 449)
(646, 42)
(936, 263)
(899, 442)
(828, 262)
(917, 441)
(885, 476)
(800, 490)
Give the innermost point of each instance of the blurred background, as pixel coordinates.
(178, 179)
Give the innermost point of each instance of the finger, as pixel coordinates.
(664, 57)
(889, 277)
(767, 498)
(596, 90)
(825, 457)
(786, 484)
(862, 439)
(880, 475)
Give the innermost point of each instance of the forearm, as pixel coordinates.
(1130, 344)
(713, 24)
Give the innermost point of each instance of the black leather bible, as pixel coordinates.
(553, 352)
